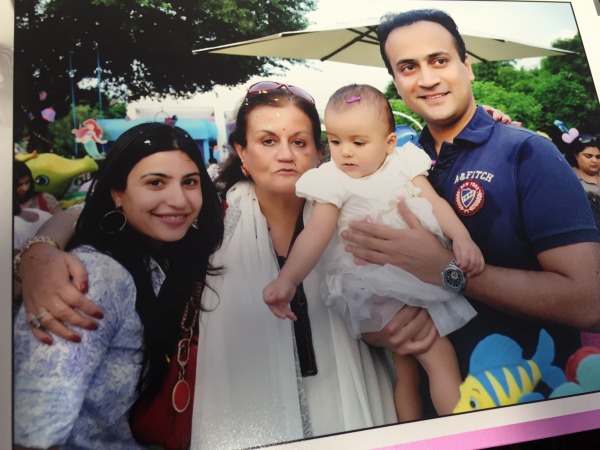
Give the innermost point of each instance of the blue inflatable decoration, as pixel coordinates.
(405, 134)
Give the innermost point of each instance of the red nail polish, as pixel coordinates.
(47, 340)
(98, 315)
(75, 339)
(84, 287)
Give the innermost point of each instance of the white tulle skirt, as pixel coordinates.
(367, 297)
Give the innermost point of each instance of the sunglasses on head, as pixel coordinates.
(266, 86)
(588, 139)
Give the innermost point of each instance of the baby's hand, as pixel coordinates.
(277, 295)
(468, 256)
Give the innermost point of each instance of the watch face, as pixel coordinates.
(453, 278)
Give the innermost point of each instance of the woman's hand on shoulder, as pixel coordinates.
(54, 284)
(500, 116)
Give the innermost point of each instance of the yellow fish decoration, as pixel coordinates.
(499, 376)
(53, 173)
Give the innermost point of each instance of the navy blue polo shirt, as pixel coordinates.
(517, 196)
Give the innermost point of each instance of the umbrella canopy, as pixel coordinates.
(359, 45)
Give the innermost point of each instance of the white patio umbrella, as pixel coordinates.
(359, 45)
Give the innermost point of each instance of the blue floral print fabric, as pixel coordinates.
(79, 395)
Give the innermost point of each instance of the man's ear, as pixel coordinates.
(469, 68)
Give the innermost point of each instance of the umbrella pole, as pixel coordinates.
(71, 76)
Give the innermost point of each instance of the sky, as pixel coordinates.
(533, 23)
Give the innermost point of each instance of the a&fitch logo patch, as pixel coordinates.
(469, 197)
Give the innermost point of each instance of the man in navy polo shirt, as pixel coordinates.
(512, 189)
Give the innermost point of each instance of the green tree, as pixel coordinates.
(562, 87)
(575, 63)
(519, 105)
(144, 48)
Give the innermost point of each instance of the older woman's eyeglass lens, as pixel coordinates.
(266, 86)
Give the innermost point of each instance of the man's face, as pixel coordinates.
(429, 75)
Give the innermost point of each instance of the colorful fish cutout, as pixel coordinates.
(53, 173)
(499, 376)
(585, 362)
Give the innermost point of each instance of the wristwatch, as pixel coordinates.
(453, 279)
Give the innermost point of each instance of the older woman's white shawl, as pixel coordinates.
(247, 389)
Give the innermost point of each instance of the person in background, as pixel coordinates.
(541, 262)
(150, 222)
(366, 177)
(26, 193)
(26, 220)
(583, 154)
(213, 168)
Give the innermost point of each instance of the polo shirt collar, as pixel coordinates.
(476, 132)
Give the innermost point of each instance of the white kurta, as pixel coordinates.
(369, 296)
(248, 391)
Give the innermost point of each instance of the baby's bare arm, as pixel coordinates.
(307, 249)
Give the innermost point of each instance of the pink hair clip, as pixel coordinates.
(353, 99)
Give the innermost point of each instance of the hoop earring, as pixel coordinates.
(113, 221)
(195, 224)
(245, 171)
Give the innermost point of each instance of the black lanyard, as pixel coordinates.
(302, 330)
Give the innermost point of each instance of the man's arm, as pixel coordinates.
(565, 291)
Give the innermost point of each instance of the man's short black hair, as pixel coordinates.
(390, 22)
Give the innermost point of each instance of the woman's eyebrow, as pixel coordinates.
(164, 175)
(155, 174)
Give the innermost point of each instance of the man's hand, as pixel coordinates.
(410, 332)
(415, 249)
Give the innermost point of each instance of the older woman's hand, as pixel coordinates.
(54, 283)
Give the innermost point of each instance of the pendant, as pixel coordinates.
(180, 398)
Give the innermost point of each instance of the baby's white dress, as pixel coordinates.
(369, 296)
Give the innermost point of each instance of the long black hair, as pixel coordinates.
(188, 258)
(22, 170)
(231, 169)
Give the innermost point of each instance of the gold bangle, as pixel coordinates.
(26, 246)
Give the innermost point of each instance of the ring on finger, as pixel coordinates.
(35, 321)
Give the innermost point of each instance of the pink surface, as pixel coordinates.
(510, 434)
